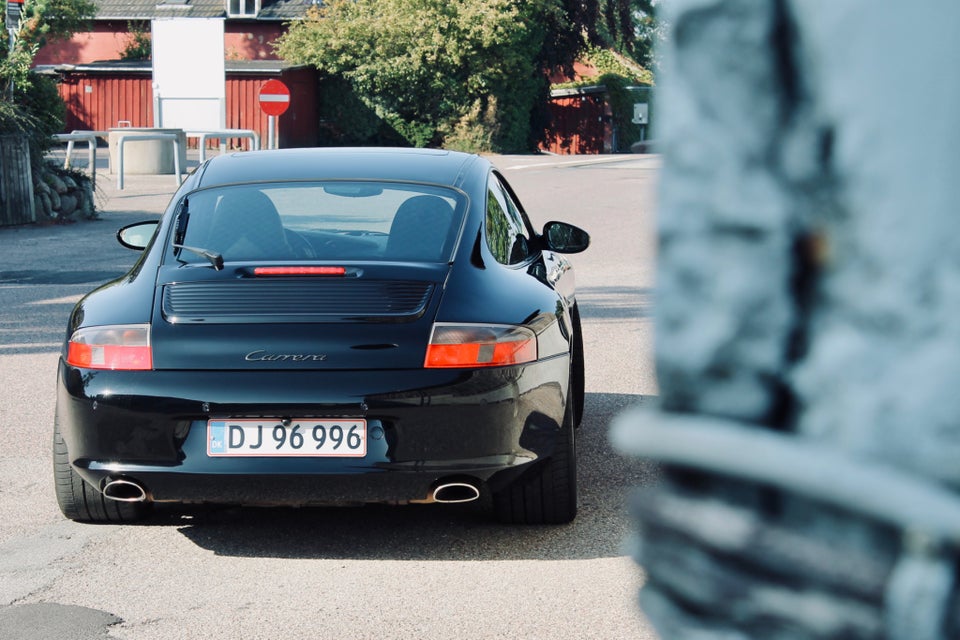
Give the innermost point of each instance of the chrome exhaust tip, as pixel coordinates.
(123, 490)
(453, 492)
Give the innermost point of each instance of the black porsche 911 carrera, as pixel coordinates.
(324, 327)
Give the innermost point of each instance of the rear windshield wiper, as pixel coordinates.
(215, 258)
(183, 219)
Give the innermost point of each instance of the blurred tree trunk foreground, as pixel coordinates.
(808, 324)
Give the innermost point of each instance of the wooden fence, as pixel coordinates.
(16, 183)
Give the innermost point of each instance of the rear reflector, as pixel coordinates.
(118, 347)
(474, 345)
(299, 271)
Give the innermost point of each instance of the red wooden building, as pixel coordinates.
(103, 92)
(250, 27)
(106, 95)
(580, 122)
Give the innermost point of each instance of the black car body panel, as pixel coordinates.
(156, 431)
(228, 343)
(226, 320)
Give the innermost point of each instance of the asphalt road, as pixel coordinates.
(431, 571)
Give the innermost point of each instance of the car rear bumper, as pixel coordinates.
(424, 427)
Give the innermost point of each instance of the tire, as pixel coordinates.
(577, 373)
(547, 495)
(80, 501)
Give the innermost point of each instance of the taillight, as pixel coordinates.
(122, 347)
(479, 345)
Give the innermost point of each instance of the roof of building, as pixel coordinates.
(108, 67)
(151, 9)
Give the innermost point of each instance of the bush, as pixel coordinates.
(42, 101)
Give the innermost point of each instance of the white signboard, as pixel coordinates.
(189, 81)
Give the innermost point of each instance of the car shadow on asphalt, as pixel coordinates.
(437, 532)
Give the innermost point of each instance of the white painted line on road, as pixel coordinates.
(30, 345)
(64, 300)
(566, 163)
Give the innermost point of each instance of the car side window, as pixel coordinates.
(506, 233)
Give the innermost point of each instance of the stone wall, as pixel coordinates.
(807, 323)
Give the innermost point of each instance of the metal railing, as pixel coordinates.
(223, 135)
(90, 137)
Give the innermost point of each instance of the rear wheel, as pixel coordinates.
(577, 374)
(547, 495)
(80, 501)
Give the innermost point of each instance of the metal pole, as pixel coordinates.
(271, 127)
(176, 159)
(90, 138)
(120, 161)
(157, 116)
(12, 28)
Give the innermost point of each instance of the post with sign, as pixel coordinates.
(274, 101)
(14, 12)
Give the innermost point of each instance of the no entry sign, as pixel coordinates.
(274, 97)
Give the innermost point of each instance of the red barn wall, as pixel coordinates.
(295, 128)
(579, 124)
(97, 102)
(102, 101)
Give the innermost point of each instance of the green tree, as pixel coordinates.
(139, 46)
(630, 27)
(28, 104)
(456, 73)
(40, 20)
(467, 74)
(647, 33)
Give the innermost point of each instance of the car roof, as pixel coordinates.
(374, 163)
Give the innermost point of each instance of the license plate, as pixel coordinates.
(267, 437)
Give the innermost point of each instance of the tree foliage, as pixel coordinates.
(629, 27)
(647, 33)
(39, 21)
(435, 70)
(139, 45)
(468, 74)
(29, 103)
(44, 19)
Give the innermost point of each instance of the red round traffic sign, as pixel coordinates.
(274, 97)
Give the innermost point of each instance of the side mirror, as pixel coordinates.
(138, 235)
(565, 238)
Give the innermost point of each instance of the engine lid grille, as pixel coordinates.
(295, 300)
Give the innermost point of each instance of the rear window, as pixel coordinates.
(320, 220)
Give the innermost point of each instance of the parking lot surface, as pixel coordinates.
(428, 571)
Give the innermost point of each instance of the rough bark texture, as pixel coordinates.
(808, 285)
